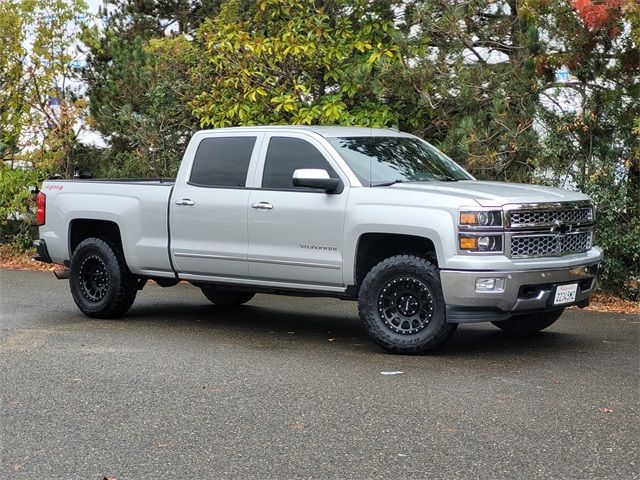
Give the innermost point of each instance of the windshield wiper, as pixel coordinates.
(445, 178)
(387, 183)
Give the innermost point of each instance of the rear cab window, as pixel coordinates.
(222, 162)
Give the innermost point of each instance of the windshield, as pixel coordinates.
(386, 160)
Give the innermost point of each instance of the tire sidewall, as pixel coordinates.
(436, 331)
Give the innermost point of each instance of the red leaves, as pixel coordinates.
(598, 14)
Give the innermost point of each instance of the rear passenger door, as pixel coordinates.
(208, 211)
(295, 234)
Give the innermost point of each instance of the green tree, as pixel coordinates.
(152, 19)
(17, 204)
(468, 82)
(139, 100)
(41, 111)
(138, 82)
(298, 62)
(13, 15)
(55, 104)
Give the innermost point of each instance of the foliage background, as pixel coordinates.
(478, 78)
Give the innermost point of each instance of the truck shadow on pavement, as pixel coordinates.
(302, 328)
(476, 339)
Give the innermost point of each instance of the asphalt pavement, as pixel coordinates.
(286, 388)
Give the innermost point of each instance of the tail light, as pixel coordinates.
(41, 203)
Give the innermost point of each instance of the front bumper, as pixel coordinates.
(524, 291)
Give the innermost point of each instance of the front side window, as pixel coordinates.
(284, 156)
(222, 162)
(376, 160)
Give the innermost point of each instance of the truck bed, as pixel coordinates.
(138, 206)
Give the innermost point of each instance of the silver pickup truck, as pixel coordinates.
(373, 215)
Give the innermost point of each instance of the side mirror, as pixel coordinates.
(317, 178)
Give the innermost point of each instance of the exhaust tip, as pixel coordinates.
(62, 274)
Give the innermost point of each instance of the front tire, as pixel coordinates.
(101, 284)
(529, 323)
(402, 306)
(226, 298)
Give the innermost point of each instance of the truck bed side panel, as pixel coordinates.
(139, 210)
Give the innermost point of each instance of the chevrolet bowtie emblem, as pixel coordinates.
(561, 228)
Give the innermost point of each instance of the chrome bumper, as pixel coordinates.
(524, 291)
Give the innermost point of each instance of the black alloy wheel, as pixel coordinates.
(94, 280)
(405, 305)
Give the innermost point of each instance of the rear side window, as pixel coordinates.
(284, 156)
(222, 162)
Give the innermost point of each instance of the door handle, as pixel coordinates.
(262, 206)
(185, 202)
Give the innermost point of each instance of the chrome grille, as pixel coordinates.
(521, 218)
(525, 246)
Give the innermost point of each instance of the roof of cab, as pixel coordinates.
(325, 131)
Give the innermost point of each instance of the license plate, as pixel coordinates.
(565, 294)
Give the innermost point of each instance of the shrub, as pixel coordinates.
(17, 204)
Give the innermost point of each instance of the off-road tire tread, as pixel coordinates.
(123, 292)
(423, 341)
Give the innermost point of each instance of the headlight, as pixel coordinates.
(480, 231)
(484, 218)
(480, 243)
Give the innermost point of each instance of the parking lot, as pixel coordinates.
(290, 387)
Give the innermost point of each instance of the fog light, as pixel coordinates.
(489, 284)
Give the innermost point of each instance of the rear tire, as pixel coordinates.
(402, 306)
(529, 323)
(101, 284)
(226, 298)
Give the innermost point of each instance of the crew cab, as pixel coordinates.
(374, 215)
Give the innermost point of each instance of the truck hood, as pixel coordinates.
(493, 194)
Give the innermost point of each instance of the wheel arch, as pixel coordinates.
(82, 228)
(373, 247)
